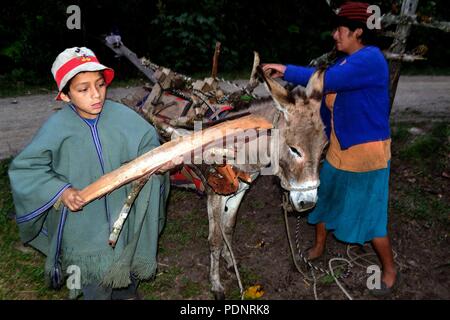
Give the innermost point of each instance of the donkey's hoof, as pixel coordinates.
(219, 295)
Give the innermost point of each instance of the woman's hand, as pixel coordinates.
(275, 70)
(72, 199)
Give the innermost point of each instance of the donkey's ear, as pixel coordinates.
(314, 89)
(279, 94)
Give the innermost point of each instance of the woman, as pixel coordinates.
(353, 196)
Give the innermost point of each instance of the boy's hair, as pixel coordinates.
(66, 88)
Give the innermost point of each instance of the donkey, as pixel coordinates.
(301, 140)
(296, 114)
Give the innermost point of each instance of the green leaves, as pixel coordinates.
(187, 40)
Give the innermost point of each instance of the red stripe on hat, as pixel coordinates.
(72, 64)
(355, 11)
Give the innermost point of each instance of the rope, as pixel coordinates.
(285, 204)
(350, 260)
(305, 258)
(336, 279)
(234, 261)
(314, 285)
(306, 261)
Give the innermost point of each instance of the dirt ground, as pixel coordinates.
(260, 243)
(262, 251)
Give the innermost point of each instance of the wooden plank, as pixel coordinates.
(154, 159)
(121, 50)
(398, 46)
(215, 63)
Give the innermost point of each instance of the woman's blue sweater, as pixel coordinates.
(361, 109)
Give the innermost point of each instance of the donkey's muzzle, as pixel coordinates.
(303, 200)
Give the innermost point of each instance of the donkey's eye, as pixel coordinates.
(295, 152)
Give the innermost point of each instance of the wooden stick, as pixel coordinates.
(118, 224)
(154, 159)
(215, 64)
(402, 56)
(398, 46)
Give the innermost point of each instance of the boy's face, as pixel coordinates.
(87, 92)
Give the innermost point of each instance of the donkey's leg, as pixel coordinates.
(229, 215)
(215, 204)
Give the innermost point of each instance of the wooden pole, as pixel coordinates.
(123, 51)
(149, 162)
(215, 65)
(398, 46)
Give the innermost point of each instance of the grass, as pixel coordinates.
(178, 233)
(22, 268)
(429, 151)
(400, 133)
(422, 194)
(328, 279)
(419, 205)
(190, 289)
(161, 285)
(248, 279)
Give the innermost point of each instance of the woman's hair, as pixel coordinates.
(368, 37)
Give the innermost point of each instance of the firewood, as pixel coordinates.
(154, 159)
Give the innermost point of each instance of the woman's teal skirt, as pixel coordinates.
(352, 204)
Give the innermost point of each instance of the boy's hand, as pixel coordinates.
(72, 199)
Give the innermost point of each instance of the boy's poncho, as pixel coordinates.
(68, 151)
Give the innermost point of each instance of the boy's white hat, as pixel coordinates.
(74, 60)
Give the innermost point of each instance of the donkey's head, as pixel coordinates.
(302, 138)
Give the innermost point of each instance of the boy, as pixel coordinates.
(89, 137)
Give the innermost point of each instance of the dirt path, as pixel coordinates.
(418, 98)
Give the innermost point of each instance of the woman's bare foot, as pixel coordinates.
(315, 252)
(389, 278)
(319, 243)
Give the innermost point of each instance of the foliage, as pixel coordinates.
(181, 35)
(188, 39)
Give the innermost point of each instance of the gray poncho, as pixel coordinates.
(67, 152)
